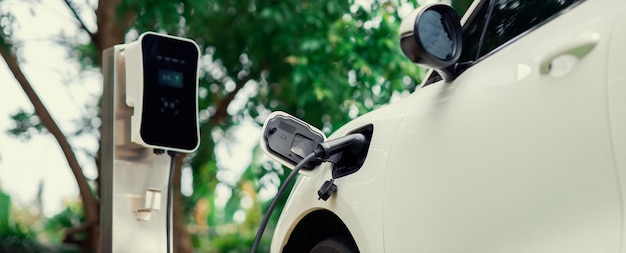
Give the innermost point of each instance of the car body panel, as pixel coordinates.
(616, 92)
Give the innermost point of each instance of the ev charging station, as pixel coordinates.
(149, 108)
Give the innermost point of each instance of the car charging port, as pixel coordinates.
(350, 160)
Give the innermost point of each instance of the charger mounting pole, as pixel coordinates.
(133, 178)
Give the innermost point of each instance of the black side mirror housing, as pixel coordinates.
(431, 36)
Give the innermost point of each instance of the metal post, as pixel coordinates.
(133, 179)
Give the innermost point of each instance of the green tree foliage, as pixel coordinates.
(5, 207)
(18, 237)
(68, 218)
(26, 124)
(461, 5)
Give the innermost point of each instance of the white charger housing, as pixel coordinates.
(162, 87)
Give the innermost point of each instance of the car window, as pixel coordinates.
(508, 20)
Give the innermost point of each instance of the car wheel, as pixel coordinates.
(336, 244)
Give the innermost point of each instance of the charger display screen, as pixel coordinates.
(170, 78)
(170, 109)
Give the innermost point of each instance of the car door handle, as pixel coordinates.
(577, 48)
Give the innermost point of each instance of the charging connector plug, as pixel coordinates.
(356, 142)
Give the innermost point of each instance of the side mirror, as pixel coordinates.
(288, 139)
(431, 36)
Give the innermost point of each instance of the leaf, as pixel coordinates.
(5, 208)
(25, 125)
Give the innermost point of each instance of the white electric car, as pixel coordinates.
(515, 142)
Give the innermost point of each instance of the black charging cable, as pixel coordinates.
(323, 151)
(282, 189)
(168, 211)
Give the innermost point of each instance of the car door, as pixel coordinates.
(514, 155)
(616, 77)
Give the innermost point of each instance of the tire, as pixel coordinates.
(336, 244)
